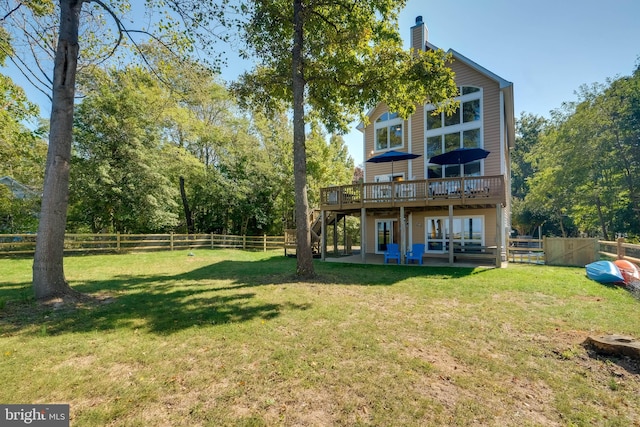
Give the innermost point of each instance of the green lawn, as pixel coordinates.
(231, 338)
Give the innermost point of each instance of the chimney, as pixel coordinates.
(419, 35)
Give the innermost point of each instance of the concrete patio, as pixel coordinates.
(356, 258)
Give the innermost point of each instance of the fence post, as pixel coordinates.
(171, 240)
(118, 241)
(264, 242)
(211, 240)
(620, 251)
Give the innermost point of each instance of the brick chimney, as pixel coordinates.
(419, 35)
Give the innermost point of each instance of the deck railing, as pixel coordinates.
(24, 244)
(460, 190)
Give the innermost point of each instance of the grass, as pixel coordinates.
(232, 338)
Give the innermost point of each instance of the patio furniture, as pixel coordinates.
(415, 254)
(392, 252)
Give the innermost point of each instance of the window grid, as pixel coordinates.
(461, 129)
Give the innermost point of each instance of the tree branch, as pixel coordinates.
(11, 12)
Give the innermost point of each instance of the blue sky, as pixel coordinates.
(548, 49)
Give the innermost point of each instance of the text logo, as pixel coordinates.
(34, 415)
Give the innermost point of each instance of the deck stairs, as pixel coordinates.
(315, 228)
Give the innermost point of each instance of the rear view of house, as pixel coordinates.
(457, 209)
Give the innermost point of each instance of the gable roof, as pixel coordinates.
(506, 87)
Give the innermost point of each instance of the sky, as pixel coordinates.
(546, 48)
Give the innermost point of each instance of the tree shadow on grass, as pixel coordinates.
(219, 293)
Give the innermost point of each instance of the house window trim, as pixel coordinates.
(445, 223)
(459, 128)
(392, 222)
(387, 124)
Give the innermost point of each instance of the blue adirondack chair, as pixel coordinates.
(415, 254)
(392, 252)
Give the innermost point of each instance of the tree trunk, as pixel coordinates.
(303, 237)
(603, 224)
(48, 272)
(185, 204)
(562, 231)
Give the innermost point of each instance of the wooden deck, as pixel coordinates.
(482, 191)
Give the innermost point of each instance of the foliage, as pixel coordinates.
(59, 37)
(329, 63)
(22, 157)
(529, 129)
(353, 59)
(578, 173)
(328, 163)
(118, 181)
(136, 141)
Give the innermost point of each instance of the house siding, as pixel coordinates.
(494, 131)
(466, 76)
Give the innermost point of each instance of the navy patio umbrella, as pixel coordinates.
(459, 156)
(392, 156)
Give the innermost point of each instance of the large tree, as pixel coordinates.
(119, 175)
(193, 19)
(587, 162)
(329, 62)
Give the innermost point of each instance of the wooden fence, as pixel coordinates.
(522, 250)
(620, 250)
(24, 244)
(525, 250)
(538, 251)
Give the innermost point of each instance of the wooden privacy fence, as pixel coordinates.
(570, 251)
(24, 244)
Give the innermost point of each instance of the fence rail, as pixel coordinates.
(519, 250)
(620, 250)
(525, 250)
(533, 250)
(25, 244)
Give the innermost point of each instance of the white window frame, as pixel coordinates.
(444, 220)
(387, 124)
(460, 128)
(391, 222)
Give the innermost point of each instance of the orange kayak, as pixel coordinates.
(630, 271)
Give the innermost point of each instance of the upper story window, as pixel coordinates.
(461, 129)
(388, 130)
(468, 112)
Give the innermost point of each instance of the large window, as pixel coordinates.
(463, 128)
(467, 231)
(388, 130)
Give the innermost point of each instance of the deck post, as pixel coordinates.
(335, 233)
(323, 233)
(363, 234)
(403, 235)
(450, 234)
(498, 236)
